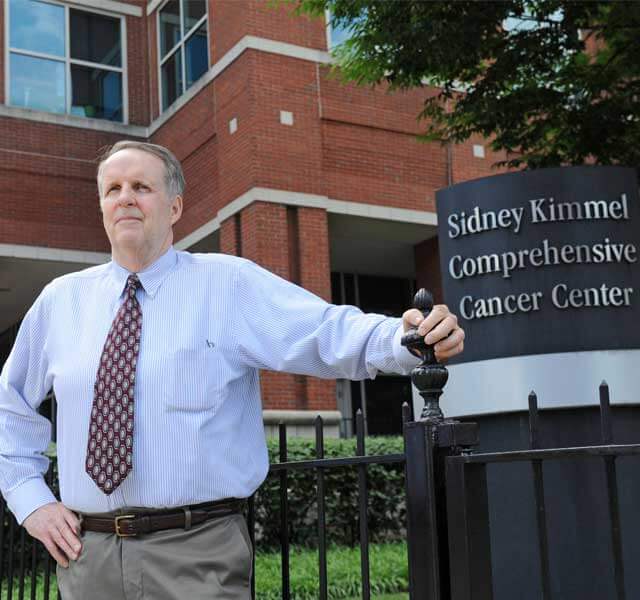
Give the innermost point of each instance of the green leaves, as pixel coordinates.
(387, 507)
(550, 82)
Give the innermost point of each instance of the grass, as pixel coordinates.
(388, 568)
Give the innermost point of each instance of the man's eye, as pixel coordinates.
(113, 188)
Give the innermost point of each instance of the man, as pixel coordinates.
(154, 361)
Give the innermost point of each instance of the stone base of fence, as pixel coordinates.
(301, 423)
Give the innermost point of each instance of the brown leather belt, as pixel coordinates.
(185, 517)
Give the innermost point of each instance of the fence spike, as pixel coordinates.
(606, 429)
(533, 420)
(406, 412)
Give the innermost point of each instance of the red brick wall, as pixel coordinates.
(48, 194)
(466, 166)
(288, 157)
(228, 237)
(137, 64)
(278, 21)
(234, 97)
(233, 19)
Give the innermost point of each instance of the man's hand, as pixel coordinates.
(57, 528)
(439, 328)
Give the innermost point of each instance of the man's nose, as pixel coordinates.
(127, 196)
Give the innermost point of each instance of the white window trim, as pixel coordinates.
(327, 27)
(68, 61)
(179, 47)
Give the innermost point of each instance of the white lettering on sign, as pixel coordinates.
(563, 297)
(541, 210)
(547, 210)
(481, 308)
(477, 221)
(545, 255)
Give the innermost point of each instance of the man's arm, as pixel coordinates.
(283, 327)
(25, 435)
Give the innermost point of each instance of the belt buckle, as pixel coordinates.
(117, 522)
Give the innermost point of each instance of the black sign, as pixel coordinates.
(543, 261)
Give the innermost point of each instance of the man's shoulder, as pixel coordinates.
(77, 277)
(211, 261)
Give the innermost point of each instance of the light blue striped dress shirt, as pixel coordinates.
(209, 323)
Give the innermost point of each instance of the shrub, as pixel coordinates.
(386, 505)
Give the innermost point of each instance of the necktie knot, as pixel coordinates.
(133, 283)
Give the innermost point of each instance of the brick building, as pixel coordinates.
(323, 183)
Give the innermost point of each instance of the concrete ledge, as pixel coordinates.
(301, 423)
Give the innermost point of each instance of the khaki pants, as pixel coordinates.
(210, 561)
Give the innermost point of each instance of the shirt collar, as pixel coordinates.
(151, 278)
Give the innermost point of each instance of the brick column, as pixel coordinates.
(293, 243)
(315, 275)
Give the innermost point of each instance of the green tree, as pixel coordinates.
(550, 82)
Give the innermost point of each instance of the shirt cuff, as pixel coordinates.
(405, 359)
(28, 497)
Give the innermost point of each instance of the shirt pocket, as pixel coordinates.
(195, 379)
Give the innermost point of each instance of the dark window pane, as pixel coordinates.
(193, 11)
(36, 26)
(95, 38)
(169, 26)
(171, 80)
(196, 55)
(385, 397)
(96, 93)
(37, 83)
(386, 295)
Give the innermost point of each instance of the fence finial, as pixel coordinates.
(429, 376)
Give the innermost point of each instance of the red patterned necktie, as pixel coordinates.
(110, 445)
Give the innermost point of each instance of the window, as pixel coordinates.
(183, 45)
(336, 33)
(65, 60)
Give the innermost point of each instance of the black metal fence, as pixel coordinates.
(448, 529)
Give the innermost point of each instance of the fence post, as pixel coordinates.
(428, 442)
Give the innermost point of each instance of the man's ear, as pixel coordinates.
(176, 210)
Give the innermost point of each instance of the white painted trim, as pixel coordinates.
(110, 5)
(359, 209)
(198, 234)
(285, 49)
(289, 198)
(7, 56)
(28, 114)
(388, 213)
(153, 4)
(55, 254)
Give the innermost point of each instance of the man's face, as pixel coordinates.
(137, 210)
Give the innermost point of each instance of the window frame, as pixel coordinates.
(68, 61)
(179, 47)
